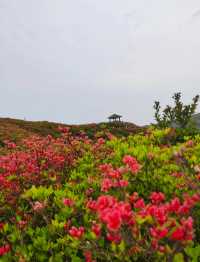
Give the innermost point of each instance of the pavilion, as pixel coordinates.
(115, 118)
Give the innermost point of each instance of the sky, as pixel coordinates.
(80, 61)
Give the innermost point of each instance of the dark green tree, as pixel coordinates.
(179, 115)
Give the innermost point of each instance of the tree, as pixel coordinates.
(179, 115)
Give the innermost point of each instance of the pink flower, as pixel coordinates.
(96, 229)
(123, 183)
(91, 204)
(10, 145)
(101, 141)
(67, 225)
(4, 250)
(38, 206)
(158, 233)
(113, 219)
(88, 256)
(187, 223)
(157, 198)
(22, 223)
(134, 197)
(89, 191)
(68, 202)
(106, 185)
(178, 234)
(105, 201)
(77, 232)
(184, 209)
(160, 214)
(63, 129)
(105, 168)
(189, 143)
(162, 249)
(177, 174)
(154, 244)
(116, 238)
(126, 213)
(174, 205)
(114, 174)
(139, 203)
(132, 163)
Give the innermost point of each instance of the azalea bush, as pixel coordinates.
(71, 198)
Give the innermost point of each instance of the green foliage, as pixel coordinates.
(44, 236)
(179, 115)
(40, 193)
(193, 253)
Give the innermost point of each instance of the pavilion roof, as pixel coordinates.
(113, 116)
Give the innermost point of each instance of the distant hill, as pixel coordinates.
(15, 129)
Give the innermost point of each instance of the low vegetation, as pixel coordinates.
(73, 198)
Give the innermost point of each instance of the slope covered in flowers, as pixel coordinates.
(16, 129)
(108, 199)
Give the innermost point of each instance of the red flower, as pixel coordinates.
(67, 225)
(157, 198)
(105, 201)
(123, 183)
(114, 238)
(1, 226)
(187, 223)
(4, 250)
(175, 205)
(38, 206)
(158, 233)
(113, 220)
(126, 212)
(96, 229)
(63, 130)
(106, 185)
(134, 197)
(189, 143)
(68, 202)
(177, 174)
(154, 244)
(160, 214)
(76, 232)
(139, 203)
(114, 174)
(91, 204)
(88, 256)
(132, 163)
(178, 234)
(105, 168)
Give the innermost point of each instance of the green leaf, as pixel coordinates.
(178, 258)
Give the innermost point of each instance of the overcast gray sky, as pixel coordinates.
(77, 61)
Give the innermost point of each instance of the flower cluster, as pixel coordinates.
(164, 220)
(38, 206)
(113, 178)
(68, 202)
(77, 232)
(4, 249)
(60, 199)
(132, 163)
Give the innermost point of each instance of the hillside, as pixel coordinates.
(15, 129)
(106, 200)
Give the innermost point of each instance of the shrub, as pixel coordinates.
(179, 115)
(110, 199)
